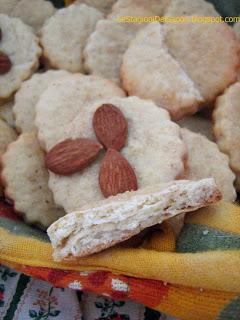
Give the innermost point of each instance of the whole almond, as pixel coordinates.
(5, 63)
(116, 174)
(72, 155)
(110, 126)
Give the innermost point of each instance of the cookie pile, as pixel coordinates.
(91, 108)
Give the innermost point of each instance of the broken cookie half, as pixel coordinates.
(108, 222)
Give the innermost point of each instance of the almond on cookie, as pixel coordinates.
(153, 145)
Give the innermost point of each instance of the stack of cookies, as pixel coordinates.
(93, 108)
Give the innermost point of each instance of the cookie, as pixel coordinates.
(7, 135)
(26, 181)
(137, 8)
(150, 72)
(65, 34)
(105, 48)
(213, 62)
(91, 230)
(190, 7)
(226, 127)
(236, 29)
(33, 12)
(205, 161)
(67, 97)
(103, 6)
(167, 65)
(153, 148)
(27, 97)
(198, 124)
(20, 51)
(6, 6)
(6, 113)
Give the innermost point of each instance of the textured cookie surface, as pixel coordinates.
(27, 97)
(26, 181)
(190, 7)
(153, 148)
(150, 72)
(236, 29)
(226, 127)
(67, 96)
(206, 161)
(21, 46)
(105, 48)
(7, 135)
(103, 6)
(136, 8)
(211, 61)
(198, 124)
(167, 64)
(103, 224)
(33, 12)
(6, 6)
(6, 113)
(64, 36)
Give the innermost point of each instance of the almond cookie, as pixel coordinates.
(236, 29)
(103, 6)
(167, 65)
(198, 124)
(106, 46)
(153, 148)
(213, 61)
(226, 127)
(19, 53)
(6, 113)
(6, 6)
(103, 224)
(65, 34)
(67, 96)
(136, 8)
(205, 161)
(27, 97)
(190, 7)
(7, 135)
(32, 12)
(26, 181)
(149, 71)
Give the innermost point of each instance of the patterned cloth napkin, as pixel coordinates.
(23, 297)
(201, 271)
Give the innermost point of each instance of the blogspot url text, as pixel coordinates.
(179, 19)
